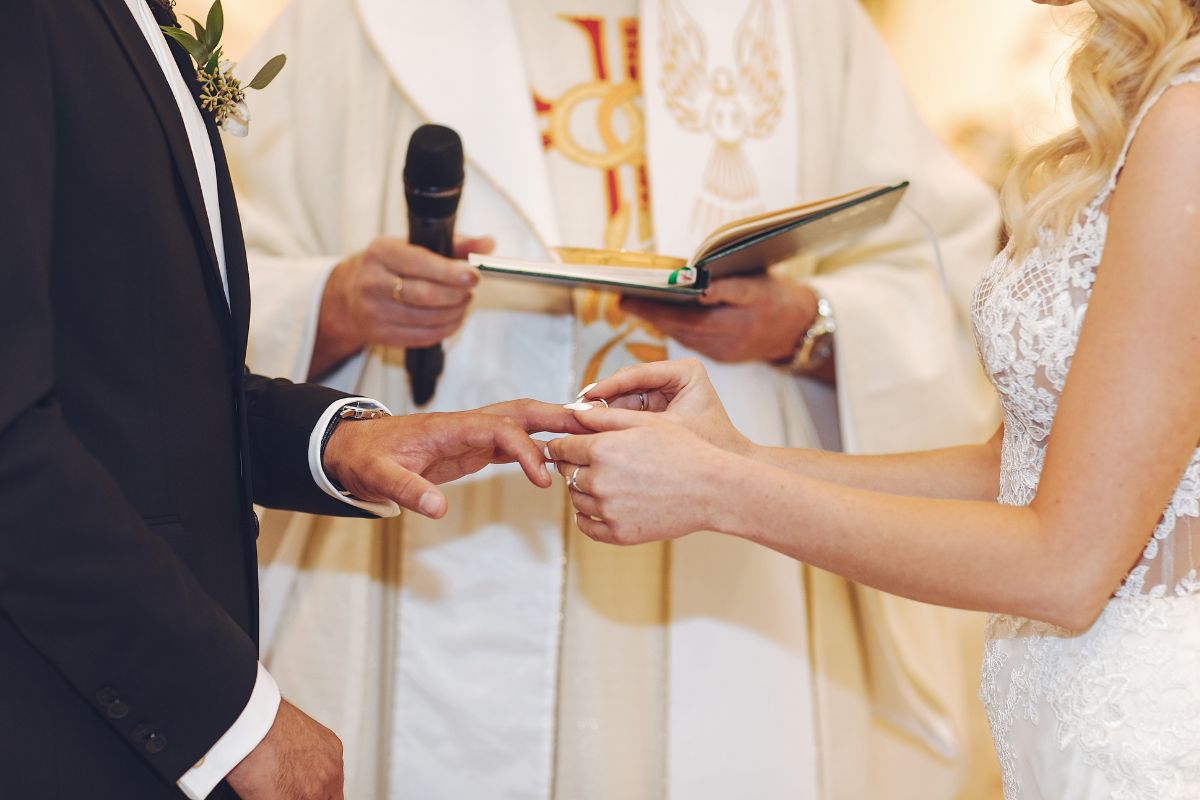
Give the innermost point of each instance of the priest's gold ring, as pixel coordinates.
(398, 289)
(572, 482)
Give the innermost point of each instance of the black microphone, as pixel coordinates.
(433, 179)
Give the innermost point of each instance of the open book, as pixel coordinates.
(740, 247)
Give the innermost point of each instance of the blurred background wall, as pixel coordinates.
(981, 71)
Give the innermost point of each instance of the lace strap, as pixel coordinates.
(1192, 76)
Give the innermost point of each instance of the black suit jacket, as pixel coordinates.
(132, 441)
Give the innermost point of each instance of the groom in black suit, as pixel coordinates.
(133, 442)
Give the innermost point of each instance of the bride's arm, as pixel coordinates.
(969, 472)
(1128, 423)
(681, 392)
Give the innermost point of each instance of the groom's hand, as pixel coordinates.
(300, 759)
(403, 458)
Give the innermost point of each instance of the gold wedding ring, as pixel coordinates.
(644, 401)
(572, 483)
(398, 289)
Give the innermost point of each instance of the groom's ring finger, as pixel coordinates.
(572, 450)
(573, 479)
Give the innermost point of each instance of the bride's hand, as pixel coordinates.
(680, 390)
(643, 479)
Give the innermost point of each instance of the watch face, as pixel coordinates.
(361, 412)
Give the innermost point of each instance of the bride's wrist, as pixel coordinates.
(748, 449)
(737, 444)
(726, 492)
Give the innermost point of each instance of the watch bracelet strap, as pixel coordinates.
(815, 339)
(351, 412)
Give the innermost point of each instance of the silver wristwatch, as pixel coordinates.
(816, 347)
(351, 411)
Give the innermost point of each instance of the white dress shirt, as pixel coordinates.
(252, 725)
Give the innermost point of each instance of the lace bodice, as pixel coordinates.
(1114, 711)
(1027, 317)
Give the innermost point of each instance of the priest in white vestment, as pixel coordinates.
(498, 652)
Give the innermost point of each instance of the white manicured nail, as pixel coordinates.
(578, 406)
(586, 389)
(546, 452)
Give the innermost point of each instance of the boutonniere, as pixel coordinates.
(221, 94)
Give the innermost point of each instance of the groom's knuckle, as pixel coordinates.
(377, 464)
(402, 484)
(328, 770)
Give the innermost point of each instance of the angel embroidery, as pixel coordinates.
(730, 107)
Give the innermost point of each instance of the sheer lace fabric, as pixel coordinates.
(1114, 711)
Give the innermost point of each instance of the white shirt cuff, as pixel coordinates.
(383, 509)
(243, 736)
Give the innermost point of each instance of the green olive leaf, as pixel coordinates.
(194, 48)
(200, 32)
(268, 73)
(215, 24)
(213, 65)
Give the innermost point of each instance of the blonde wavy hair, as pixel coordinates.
(1131, 49)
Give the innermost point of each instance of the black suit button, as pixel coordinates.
(118, 710)
(142, 733)
(156, 743)
(106, 696)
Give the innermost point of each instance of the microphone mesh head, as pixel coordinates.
(435, 159)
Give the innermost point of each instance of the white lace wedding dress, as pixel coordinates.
(1113, 712)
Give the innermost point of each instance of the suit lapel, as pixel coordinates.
(237, 272)
(163, 101)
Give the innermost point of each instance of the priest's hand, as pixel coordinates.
(403, 458)
(679, 391)
(393, 294)
(757, 318)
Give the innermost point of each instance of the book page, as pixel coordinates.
(747, 227)
(616, 274)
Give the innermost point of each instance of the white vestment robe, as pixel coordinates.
(433, 648)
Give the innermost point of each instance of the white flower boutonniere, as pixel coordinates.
(221, 94)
